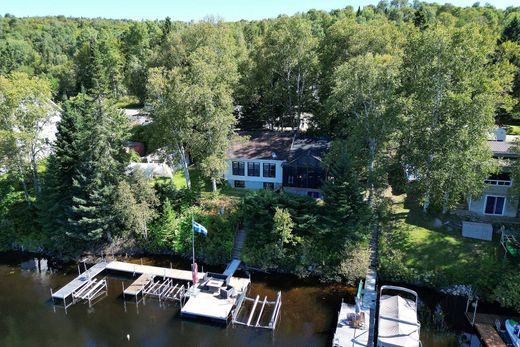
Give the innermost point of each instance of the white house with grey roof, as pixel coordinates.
(495, 199)
(278, 160)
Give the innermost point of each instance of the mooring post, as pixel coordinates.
(123, 285)
(52, 296)
(84, 265)
(141, 261)
(171, 265)
(79, 270)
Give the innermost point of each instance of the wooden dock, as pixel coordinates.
(80, 281)
(485, 324)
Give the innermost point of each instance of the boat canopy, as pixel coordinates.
(398, 325)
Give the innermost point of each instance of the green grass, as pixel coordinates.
(513, 129)
(413, 250)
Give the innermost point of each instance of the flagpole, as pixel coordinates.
(192, 241)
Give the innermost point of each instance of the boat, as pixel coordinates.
(398, 325)
(513, 330)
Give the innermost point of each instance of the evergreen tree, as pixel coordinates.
(56, 198)
(100, 169)
(342, 192)
(512, 31)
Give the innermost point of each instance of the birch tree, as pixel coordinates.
(363, 107)
(25, 110)
(192, 102)
(452, 89)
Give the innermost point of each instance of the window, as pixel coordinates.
(290, 180)
(253, 169)
(268, 185)
(240, 184)
(269, 170)
(494, 205)
(315, 195)
(238, 168)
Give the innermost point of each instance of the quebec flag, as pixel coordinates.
(199, 228)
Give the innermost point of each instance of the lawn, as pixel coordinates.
(428, 249)
(513, 129)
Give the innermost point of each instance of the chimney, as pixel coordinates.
(500, 134)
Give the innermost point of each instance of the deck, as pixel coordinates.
(79, 281)
(348, 335)
(181, 275)
(210, 306)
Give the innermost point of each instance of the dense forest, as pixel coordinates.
(397, 86)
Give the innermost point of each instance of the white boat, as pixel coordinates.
(513, 330)
(398, 325)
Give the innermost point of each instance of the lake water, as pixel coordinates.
(308, 316)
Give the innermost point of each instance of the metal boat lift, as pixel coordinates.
(260, 307)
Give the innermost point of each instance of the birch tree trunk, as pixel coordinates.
(184, 162)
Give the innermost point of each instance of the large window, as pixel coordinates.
(240, 184)
(238, 168)
(269, 170)
(253, 169)
(494, 205)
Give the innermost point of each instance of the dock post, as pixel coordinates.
(474, 312)
(123, 285)
(84, 265)
(52, 296)
(141, 261)
(171, 265)
(79, 270)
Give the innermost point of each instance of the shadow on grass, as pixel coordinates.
(435, 249)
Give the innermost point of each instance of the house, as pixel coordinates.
(256, 161)
(277, 160)
(495, 199)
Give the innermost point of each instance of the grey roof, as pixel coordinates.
(503, 148)
(280, 146)
(262, 145)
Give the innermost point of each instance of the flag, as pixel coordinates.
(199, 228)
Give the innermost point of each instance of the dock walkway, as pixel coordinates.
(181, 275)
(485, 324)
(138, 285)
(80, 281)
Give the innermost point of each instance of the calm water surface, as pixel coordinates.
(28, 318)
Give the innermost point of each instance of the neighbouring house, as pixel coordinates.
(136, 146)
(137, 116)
(495, 199)
(47, 130)
(277, 160)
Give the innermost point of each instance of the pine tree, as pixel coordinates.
(56, 198)
(342, 191)
(100, 169)
(512, 31)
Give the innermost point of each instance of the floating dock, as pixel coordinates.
(357, 328)
(215, 298)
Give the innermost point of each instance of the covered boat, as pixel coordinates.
(398, 325)
(513, 330)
